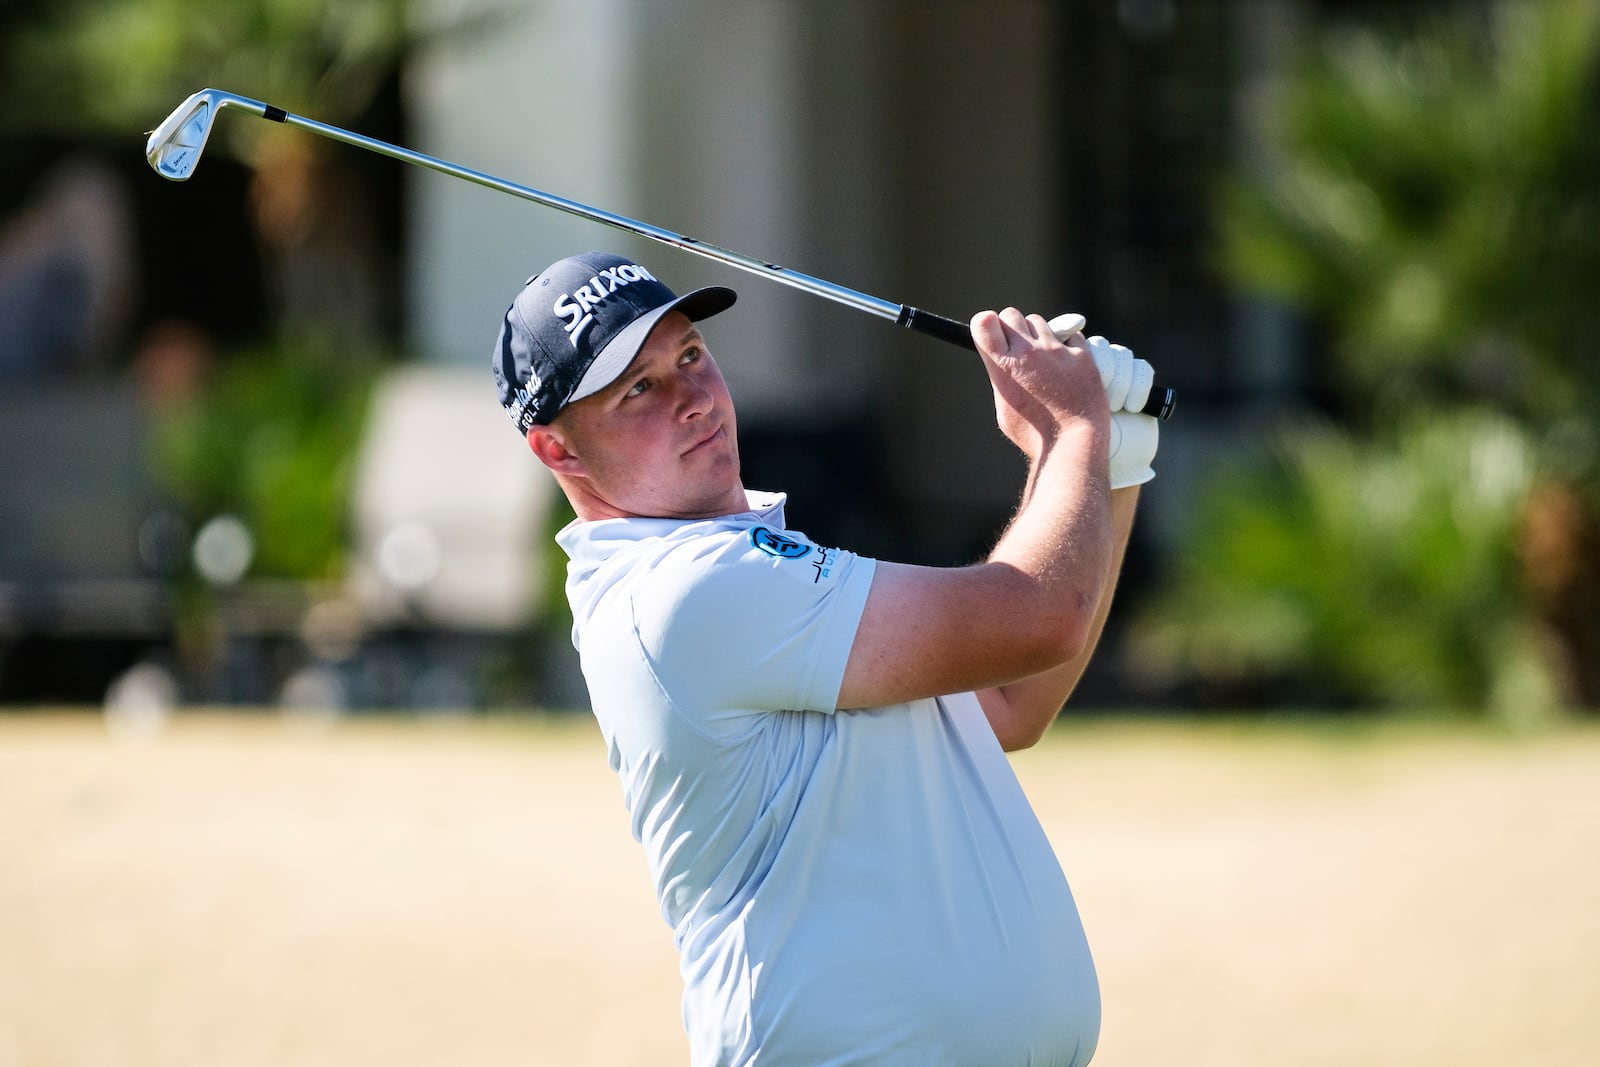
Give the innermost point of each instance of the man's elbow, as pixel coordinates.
(1062, 635)
(1015, 737)
(1038, 648)
(1075, 635)
(1043, 627)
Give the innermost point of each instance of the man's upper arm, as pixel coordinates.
(930, 631)
(752, 621)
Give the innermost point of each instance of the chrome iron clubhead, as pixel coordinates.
(174, 146)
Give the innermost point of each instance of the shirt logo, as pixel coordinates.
(776, 544)
(823, 564)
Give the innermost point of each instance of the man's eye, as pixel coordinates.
(691, 356)
(639, 387)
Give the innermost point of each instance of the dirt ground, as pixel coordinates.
(242, 891)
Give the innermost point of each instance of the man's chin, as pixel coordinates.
(730, 501)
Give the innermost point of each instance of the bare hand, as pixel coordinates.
(1041, 383)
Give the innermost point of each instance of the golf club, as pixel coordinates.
(175, 146)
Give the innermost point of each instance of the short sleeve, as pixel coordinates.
(756, 619)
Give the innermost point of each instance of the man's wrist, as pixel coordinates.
(1134, 439)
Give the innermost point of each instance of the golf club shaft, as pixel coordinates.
(1160, 404)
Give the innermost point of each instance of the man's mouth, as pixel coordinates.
(713, 436)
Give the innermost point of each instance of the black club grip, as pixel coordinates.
(1161, 403)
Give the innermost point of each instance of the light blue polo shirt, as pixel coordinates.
(851, 887)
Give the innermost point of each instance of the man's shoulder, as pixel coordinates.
(744, 570)
(668, 572)
(721, 553)
(663, 568)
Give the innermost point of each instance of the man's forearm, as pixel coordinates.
(1028, 706)
(927, 631)
(1060, 538)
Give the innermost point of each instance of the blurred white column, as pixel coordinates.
(686, 116)
(542, 97)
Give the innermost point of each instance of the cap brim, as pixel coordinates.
(616, 357)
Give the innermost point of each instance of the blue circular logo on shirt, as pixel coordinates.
(775, 544)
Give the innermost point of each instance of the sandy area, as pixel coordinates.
(239, 891)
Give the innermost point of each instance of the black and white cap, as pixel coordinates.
(575, 327)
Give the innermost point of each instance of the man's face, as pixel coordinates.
(661, 440)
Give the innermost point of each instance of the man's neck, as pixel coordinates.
(592, 507)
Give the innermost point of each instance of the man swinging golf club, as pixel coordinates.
(810, 742)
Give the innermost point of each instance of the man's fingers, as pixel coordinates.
(987, 332)
(1115, 363)
(1117, 397)
(1144, 377)
(1127, 379)
(1040, 329)
(1064, 326)
(1005, 332)
(1018, 324)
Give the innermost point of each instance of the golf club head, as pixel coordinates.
(174, 147)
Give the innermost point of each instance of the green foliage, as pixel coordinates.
(1387, 570)
(116, 66)
(272, 439)
(93, 64)
(1436, 198)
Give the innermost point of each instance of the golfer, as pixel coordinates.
(810, 742)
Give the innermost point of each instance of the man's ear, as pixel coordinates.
(553, 451)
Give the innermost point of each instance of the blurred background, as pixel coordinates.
(251, 454)
(1328, 791)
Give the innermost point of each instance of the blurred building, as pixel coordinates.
(1055, 156)
(951, 156)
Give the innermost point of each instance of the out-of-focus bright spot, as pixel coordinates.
(139, 703)
(312, 697)
(332, 629)
(409, 556)
(223, 550)
(1500, 468)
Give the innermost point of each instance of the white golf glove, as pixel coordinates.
(1133, 448)
(1134, 437)
(1127, 379)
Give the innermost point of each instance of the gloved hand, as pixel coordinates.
(1134, 437)
(1127, 380)
(1133, 448)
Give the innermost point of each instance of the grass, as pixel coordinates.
(237, 891)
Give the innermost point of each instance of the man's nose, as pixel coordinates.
(694, 399)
